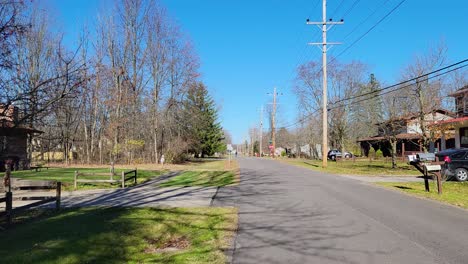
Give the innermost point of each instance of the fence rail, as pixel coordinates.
(30, 190)
(134, 177)
(111, 179)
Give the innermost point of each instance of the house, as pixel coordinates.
(14, 138)
(407, 131)
(459, 124)
(279, 151)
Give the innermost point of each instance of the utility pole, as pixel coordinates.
(324, 44)
(261, 129)
(273, 124)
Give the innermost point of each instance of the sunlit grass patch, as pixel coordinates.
(201, 178)
(357, 167)
(455, 193)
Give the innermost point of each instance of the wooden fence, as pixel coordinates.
(30, 190)
(111, 179)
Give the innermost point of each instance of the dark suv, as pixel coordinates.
(456, 163)
(334, 153)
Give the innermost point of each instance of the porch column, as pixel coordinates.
(457, 137)
(443, 144)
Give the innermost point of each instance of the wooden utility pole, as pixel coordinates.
(324, 44)
(273, 124)
(261, 130)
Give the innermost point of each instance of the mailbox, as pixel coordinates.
(426, 156)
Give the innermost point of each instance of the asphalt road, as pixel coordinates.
(293, 215)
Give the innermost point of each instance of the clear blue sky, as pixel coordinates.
(248, 47)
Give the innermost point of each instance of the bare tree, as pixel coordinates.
(426, 93)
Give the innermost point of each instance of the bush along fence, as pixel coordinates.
(112, 178)
(38, 192)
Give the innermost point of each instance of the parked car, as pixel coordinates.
(456, 164)
(334, 153)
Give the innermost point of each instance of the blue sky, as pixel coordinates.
(248, 47)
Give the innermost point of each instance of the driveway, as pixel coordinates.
(142, 195)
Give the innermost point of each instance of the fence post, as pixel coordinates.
(9, 207)
(426, 179)
(112, 171)
(123, 179)
(58, 195)
(76, 177)
(136, 173)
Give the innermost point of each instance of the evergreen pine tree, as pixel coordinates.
(203, 129)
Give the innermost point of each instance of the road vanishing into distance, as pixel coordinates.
(289, 214)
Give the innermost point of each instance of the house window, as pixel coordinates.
(465, 105)
(464, 137)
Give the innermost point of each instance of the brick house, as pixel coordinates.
(14, 138)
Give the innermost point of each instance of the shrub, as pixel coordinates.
(378, 154)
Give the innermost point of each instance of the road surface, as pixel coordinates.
(294, 215)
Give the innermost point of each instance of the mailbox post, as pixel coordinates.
(428, 163)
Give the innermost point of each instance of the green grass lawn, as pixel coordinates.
(206, 164)
(359, 167)
(455, 193)
(201, 178)
(122, 235)
(66, 176)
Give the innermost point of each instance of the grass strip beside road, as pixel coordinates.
(455, 193)
(122, 235)
(201, 178)
(209, 174)
(359, 167)
(66, 176)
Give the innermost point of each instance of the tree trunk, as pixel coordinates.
(393, 144)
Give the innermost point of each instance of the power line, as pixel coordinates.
(303, 119)
(402, 87)
(351, 8)
(337, 8)
(367, 32)
(366, 19)
(371, 28)
(403, 82)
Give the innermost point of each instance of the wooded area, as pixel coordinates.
(130, 91)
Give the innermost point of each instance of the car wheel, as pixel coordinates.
(333, 157)
(461, 174)
(347, 156)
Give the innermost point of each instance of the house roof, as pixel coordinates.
(460, 91)
(8, 128)
(451, 121)
(414, 116)
(399, 136)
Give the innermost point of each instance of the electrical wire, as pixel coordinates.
(351, 8)
(371, 28)
(403, 82)
(402, 87)
(425, 77)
